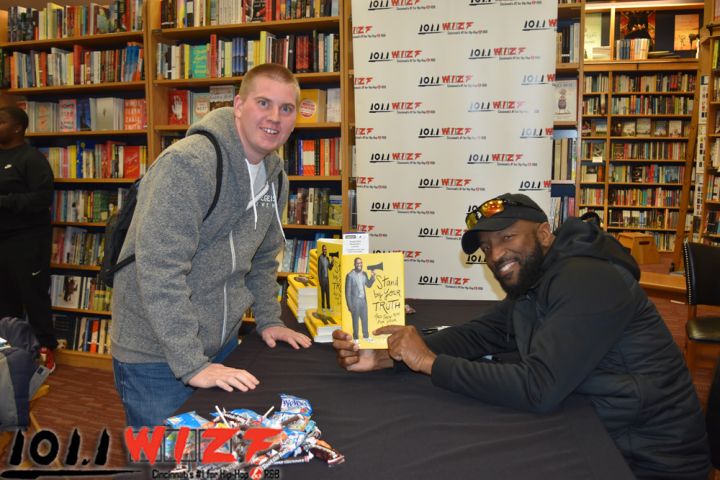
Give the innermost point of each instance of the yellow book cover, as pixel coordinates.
(292, 294)
(373, 295)
(312, 106)
(301, 280)
(329, 300)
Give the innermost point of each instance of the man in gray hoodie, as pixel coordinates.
(177, 308)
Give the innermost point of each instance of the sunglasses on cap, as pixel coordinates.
(489, 209)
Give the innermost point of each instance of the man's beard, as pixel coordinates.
(528, 274)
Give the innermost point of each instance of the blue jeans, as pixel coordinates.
(150, 392)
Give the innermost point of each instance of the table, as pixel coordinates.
(398, 425)
(664, 285)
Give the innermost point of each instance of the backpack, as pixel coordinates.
(20, 374)
(118, 224)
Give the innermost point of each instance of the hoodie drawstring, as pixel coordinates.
(277, 211)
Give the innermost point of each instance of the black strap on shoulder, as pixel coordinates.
(280, 185)
(218, 169)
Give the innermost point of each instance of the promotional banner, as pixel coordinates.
(453, 105)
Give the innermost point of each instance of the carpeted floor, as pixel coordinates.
(86, 399)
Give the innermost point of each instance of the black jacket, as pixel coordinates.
(586, 327)
(26, 191)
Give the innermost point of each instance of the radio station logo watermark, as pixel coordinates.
(449, 184)
(368, 83)
(536, 132)
(400, 56)
(505, 3)
(375, 5)
(413, 256)
(447, 233)
(534, 185)
(501, 159)
(449, 133)
(400, 158)
(370, 230)
(366, 31)
(409, 208)
(501, 53)
(539, 24)
(462, 283)
(368, 133)
(369, 183)
(451, 28)
(474, 259)
(450, 81)
(401, 108)
(499, 106)
(529, 79)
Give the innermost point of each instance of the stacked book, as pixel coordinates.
(301, 294)
(313, 264)
(320, 326)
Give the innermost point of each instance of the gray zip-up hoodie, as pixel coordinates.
(185, 294)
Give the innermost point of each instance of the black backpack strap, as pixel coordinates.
(280, 185)
(218, 169)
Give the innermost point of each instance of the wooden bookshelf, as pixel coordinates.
(604, 89)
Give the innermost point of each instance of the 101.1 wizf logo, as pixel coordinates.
(41, 455)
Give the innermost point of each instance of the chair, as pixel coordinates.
(702, 277)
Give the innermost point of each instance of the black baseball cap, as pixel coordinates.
(497, 214)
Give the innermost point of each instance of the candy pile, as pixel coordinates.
(296, 439)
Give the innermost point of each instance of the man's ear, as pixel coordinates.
(545, 235)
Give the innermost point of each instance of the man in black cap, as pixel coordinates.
(578, 322)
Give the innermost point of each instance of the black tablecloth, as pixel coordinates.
(398, 425)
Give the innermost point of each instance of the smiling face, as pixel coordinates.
(515, 254)
(265, 117)
(358, 265)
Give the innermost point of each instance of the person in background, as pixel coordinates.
(577, 322)
(177, 309)
(26, 193)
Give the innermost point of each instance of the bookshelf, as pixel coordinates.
(566, 124)
(638, 119)
(66, 77)
(709, 225)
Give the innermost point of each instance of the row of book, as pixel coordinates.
(591, 196)
(644, 197)
(56, 21)
(79, 66)
(564, 158)
(567, 43)
(654, 83)
(86, 205)
(230, 57)
(87, 159)
(594, 151)
(296, 254)
(561, 208)
(648, 127)
(198, 13)
(86, 114)
(76, 246)
(592, 173)
(649, 151)
(647, 173)
(187, 106)
(597, 83)
(313, 206)
(713, 189)
(652, 105)
(76, 291)
(82, 334)
(713, 222)
(594, 105)
(634, 49)
(659, 219)
(311, 156)
(715, 154)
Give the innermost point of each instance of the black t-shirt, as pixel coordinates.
(26, 192)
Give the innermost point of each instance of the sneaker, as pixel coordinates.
(47, 358)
